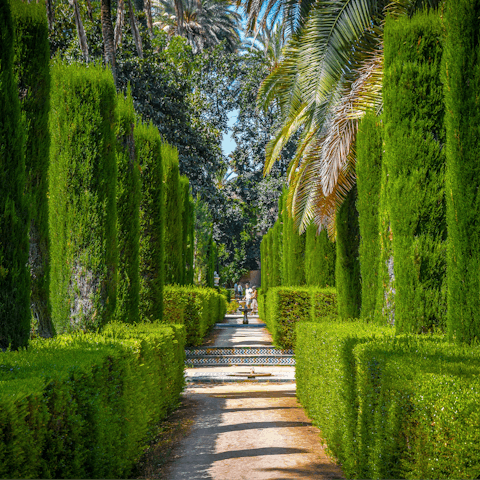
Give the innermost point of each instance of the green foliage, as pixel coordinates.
(188, 232)
(289, 305)
(319, 258)
(369, 168)
(128, 213)
(148, 144)
(212, 258)
(173, 226)
(14, 275)
(196, 308)
(414, 140)
(347, 268)
(82, 188)
(327, 383)
(462, 120)
(32, 56)
(70, 405)
(203, 230)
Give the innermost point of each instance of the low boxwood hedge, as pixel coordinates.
(391, 407)
(283, 307)
(83, 405)
(197, 308)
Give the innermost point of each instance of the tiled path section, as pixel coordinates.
(249, 431)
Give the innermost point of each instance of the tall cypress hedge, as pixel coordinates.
(82, 188)
(32, 58)
(128, 213)
(319, 258)
(173, 216)
(14, 275)
(462, 119)
(347, 269)
(187, 231)
(276, 260)
(369, 174)
(149, 150)
(414, 140)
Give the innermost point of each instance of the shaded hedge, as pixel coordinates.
(148, 144)
(369, 172)
(319, 258)
(188, 231)
(462, 120)
(347, 267)
(174, 263)
(414, 141)
(14, 274)
(128, 213)
(71, 407)
(82, 187)
(32, 68)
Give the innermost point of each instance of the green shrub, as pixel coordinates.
(148, 144)
(289, 305)
(128, 213)
(197, 308)
(319, 258)
(369, 169)
(70, 405)
(326, 382)
(32, 68)
(82, 189)
(418, 409)
(14, 275)
(347, 268)
(462, 120)
(174, 263)
(414, 141)
(188, 231)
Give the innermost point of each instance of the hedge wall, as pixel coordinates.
(414, 140)
(32, 59)
(188, 231)
(196, 308)
(82, 210)
(462, 119)
(174, 264)
(71, 407)
(14, 275)
(369, 172)
(128, 213)
(347, 267)
(319, 258)
(148, 145)
(289, 305)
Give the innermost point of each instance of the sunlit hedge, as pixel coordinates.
(82, 406)
(391, 407)
(286, 306)
(196, 308)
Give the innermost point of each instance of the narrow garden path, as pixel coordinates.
(251, 429)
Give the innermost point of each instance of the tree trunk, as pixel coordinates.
(148, 14)
(82, 38)
(108, 37)
(50, 13)
(119, 23)
(135, 33)
(179, 15)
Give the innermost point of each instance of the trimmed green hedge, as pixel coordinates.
(391, 406)
(369, 172)
(347, 267)
(195, 307)
(32, 68)
(128, 213)
(188, 231)
(14, 274)
(286, 306)
(415, 154)
(148, 144)
(82, 188)
(462, 119)
(319, 258)
(83, 406)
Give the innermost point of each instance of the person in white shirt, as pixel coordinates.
(248, 295)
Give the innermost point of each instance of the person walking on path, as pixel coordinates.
(235, 289)
(254, 300)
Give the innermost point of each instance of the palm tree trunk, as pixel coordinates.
(148, 14)
(108, 37)
(135, 33)
(50, 13)
(179, 15)
(82, 38)
(90, 10)
(119, 23)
